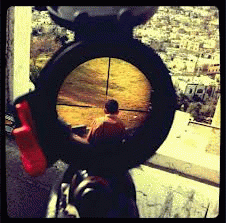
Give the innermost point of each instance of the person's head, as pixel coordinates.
(111, 107)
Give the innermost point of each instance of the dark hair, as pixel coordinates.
(111, 106)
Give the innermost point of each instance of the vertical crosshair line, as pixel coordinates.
(109, 64)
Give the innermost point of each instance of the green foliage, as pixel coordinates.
(201, 111)
(207, 110)
(43, 45)
(182, 102)
(194, 110)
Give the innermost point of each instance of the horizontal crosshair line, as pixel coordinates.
(89, 106)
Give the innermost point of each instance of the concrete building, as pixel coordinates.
(194, 89)
(191, 45)
(214, 70)
(202, 91)
(204, 87)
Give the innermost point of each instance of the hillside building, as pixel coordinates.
(203, 86)
(202, 91)
(214, 68)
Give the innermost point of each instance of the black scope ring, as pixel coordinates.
(54, 136)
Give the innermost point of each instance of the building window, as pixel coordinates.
(199, 91)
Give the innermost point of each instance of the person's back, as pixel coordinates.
(109, 129)
(106, 135)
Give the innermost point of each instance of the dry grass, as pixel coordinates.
(86, 85)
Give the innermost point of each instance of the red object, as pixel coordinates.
(32, 156)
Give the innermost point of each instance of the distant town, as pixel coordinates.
(187, 39)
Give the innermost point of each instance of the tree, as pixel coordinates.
(200, 111)
(205, 67)
(43, 45)
(194, 110)
(207, 110)
(182, 102)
